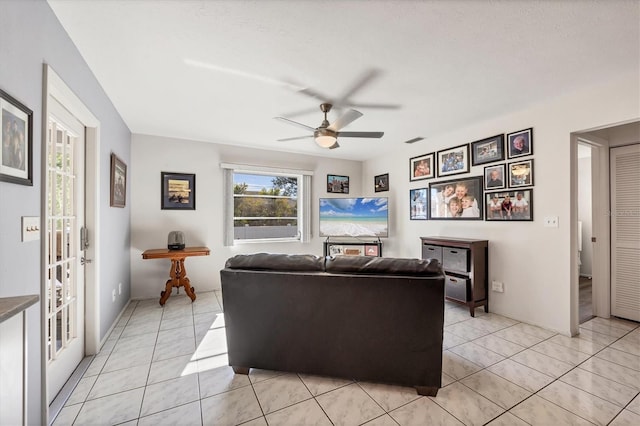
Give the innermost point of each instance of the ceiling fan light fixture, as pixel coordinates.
(326, 141)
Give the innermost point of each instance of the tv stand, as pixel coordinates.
(352, 247)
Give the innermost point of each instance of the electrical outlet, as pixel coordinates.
(551, 221)
(119, 289)
(497, 286)
(113, 295)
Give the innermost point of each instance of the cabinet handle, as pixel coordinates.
(453, 280)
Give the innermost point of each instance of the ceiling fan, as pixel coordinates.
(326, 135)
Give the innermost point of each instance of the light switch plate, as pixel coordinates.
(30, 228)
(551, 221)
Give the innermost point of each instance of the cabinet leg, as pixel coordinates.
(166, 293)
(472, 310)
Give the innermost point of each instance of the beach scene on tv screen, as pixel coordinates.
(354, 217)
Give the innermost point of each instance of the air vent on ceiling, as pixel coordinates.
(414, 140)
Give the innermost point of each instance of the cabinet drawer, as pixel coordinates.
(457, 288)
(432, 252)
(455, 259)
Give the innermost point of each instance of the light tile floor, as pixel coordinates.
(169, 366)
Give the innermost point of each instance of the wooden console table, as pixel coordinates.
(178, 273)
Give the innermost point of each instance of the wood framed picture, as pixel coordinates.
(418, 204)
(16, 157)
(453, 161)
(338, 184)
(509, 205)
(118, 182)
(487, 150)
(494, 177)
(178, 191)
(422, 167)
(381, 182)
(520, 143)
(456, 199)
(521, 173)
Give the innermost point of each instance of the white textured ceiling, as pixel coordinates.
(219, 71)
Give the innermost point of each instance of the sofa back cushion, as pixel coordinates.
(382, 265)
(276, 262)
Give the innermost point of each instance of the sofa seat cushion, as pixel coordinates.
(382, 266)
(276, 262)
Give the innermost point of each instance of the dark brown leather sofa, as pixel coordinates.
(362, 318)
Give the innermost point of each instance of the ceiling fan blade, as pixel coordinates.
(295, 123)
(359, 134)
(345, 119)
(377, 106)
(295, 138)
(300, 112)
(335, 145)
(364, 79)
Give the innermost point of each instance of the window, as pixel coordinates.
(266, 205)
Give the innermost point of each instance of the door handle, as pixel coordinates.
(84, 261)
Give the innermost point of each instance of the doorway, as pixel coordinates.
(585, 234)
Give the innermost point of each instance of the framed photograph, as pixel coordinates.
(418, 204)
(457, 199)
(371, 250)
(487, 150)
(422, 167)
(509, 205)
(453, 161)
(520, 143)
(16, 158)
(178, 191)
(381, 182)
(335, 250)
(521, 174)
(494, 177)
(338, 184)
(350, 250)
(118, 182)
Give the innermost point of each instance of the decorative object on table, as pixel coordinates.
(453, 161)
(371, 250)
(521, 173)
(456, 199)
(494, 177)
(175, 240)
(178, 191)
(381, 182)
(487, 150)
(422, 167)
(118, 182)
(16, 157)
(520, 143)
(418, 204)
(509, 205)
(338, 184)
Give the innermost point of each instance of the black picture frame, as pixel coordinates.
(16, 140)
(495, 177)
(418, 204)
(488, 150)
(118, 182)
(178, 191)
(518, 212)
(520, 173)
(337, 184)
(443, 194)
(453, 161)
(422, 167)
(381, 183)
(520, 143)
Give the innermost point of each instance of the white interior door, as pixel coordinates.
(65, 213)
(625, 232)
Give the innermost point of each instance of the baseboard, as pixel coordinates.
(113, 325)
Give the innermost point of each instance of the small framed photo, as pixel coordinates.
(509, 205)
(521, 174)
(338, 184)
(335, 250)
(371, 250)
(520, 143)
(487, 150)
(350, 250)
(422, 167)
(456, 199)
(16, 157)
(453, 161)
(118, 182)
(381, 182)
(178, 191)
(494, 177)
(418, 204)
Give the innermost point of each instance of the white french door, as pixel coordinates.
(65, 212)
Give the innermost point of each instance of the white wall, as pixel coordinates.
(204, 226)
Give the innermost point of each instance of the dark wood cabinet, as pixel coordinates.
(466, 268)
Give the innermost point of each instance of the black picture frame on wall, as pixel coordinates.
(520, 143)
(446, 199)
(178, 191)
(453, 161)
(422, 167)
(488, 150)
(381, 183)
(16, 140)
(118, 182)
(338, 184)
(518, 207)
(495, 177)
(520, 173)
(418, 204)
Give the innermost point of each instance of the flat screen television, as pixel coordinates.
(354, 217)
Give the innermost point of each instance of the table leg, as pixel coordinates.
(178, 279)
(184, 281)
